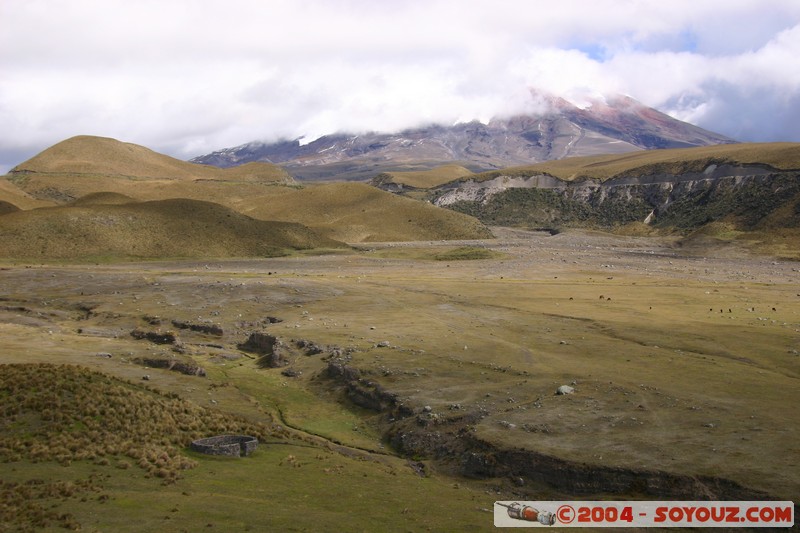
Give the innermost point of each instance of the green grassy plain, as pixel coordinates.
(680, 363)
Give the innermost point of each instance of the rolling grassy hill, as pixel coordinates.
(357, 212)
(423, 179)
(87, 171)
(780, 156)
(102, 198)
(93, 230)
(100, 156)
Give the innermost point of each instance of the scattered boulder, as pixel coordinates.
(309, 347)
(418, 467)
(291, 373)
(565, 389)
(152, 320)
(340, 371)
(182, 348)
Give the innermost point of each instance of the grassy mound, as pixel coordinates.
(158, 229)
(424, 179)
(466, 253)
(357, 212)
(88, 155)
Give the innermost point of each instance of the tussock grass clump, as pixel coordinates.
(66, 413)
(23, 506)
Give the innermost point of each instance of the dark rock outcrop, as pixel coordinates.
(208, 329)
(157, 337)
(268, 347)
(364, 392)
(184, 367)
(309, 347)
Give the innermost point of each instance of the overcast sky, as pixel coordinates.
(186, 77)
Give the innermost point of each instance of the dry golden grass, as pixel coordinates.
(86, 171)
(349, 212)
(88, 155)
(783, 156)
(15, 196)
(166, 228)
(54, 189)
(102, 198)
(357, 212)
(425, 179)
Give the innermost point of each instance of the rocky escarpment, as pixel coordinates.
(364, 392)
(452, 440)
(749, 194)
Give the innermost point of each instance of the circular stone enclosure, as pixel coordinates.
(230, 445)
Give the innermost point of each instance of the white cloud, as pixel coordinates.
(190, 76)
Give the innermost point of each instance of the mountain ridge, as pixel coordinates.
(617, 124)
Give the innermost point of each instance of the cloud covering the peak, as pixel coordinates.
(187, 77)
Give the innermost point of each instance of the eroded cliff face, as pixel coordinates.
(452, 441)
(683, 201)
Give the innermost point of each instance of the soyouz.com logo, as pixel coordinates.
(644, 514)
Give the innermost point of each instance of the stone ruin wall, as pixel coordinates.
(229, 445)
